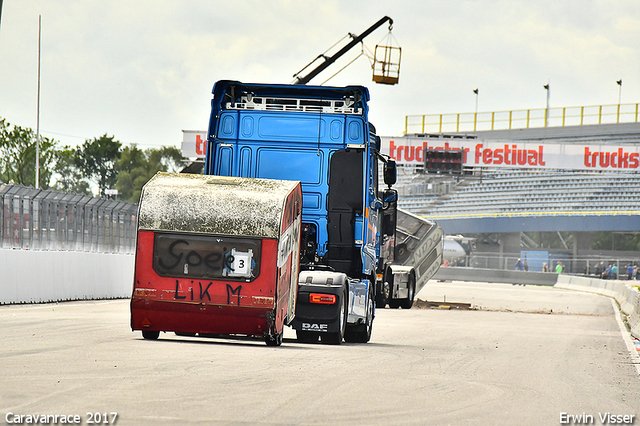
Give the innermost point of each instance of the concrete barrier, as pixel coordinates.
(624, 292)
(495, 276)
(53, 276)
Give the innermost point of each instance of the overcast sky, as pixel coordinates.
(142, 71)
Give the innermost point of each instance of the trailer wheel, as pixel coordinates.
(408, 302)
(383, 296)
(273, 339)
(336, 338)
(393, 303)
(150, 334)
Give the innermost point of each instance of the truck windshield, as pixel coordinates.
(206, 256)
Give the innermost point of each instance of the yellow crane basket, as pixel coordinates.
(386, 62)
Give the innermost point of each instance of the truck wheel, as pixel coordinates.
(273, 339)
(363, 335)
(150, 334)
(408, 302)
(336, 338)
(382, 297)
(393, 303)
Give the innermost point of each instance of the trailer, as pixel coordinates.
(217, 255)
(418, 254)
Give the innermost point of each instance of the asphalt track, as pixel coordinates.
(525, 355)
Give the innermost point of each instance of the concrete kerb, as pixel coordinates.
(627, 296)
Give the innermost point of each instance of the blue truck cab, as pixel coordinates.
(320, 136)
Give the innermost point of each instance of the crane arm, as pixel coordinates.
(330, 60)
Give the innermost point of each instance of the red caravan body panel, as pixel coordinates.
(202, 306)
(254, 306)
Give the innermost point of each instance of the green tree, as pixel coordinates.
(135, 167)
(18, 148)
(132, 173)
(68, 176)
(623, 241)
(96, 160)
(166, 159)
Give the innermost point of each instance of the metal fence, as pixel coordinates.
(522, 119)
(36, 219)
(578, 265)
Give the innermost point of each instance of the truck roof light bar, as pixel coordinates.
(333, 106)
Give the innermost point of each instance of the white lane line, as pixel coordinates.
(631, 347)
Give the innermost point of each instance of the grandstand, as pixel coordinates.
(498, 205)
(521, 191)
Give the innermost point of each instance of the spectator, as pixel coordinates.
(545, 268)
(519, 266)
(559, 268)
(614, 272)
(599, 269)
(607, 273)
(629, 272)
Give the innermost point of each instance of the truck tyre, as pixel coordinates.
(393, 303)
(336, 338)
(273, 339)
(383, 295)
(150, 334)
(363, 335)
(408, 302)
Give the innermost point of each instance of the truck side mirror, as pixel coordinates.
(390, 172)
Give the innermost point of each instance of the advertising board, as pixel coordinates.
(518, 153)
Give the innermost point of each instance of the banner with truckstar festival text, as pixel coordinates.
(519, 154)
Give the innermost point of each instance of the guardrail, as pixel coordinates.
(578, 265)
(48, 220)
(524, 118)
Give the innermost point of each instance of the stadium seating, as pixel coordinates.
(522, 191)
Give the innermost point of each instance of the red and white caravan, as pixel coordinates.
(217, 255)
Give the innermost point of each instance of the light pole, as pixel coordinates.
(475, 117)
(546, 113)
(619, 91)
(619, 98)
(38, 108)
(476, 92)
